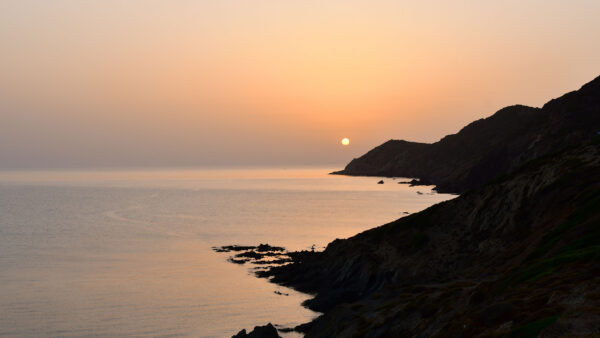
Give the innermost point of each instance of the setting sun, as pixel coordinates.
(174, 137)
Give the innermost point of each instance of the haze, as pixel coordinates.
(93, 84)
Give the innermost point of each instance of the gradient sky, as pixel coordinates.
(191, 83)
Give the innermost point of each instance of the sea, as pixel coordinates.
(129, 252)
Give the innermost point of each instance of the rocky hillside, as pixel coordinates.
(489, 147)
(518, 256)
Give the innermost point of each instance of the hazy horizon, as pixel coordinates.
(111, 84)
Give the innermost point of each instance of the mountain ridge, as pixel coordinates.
(516, 254)
(490, 146)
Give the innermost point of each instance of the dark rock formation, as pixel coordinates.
(250, 254)
(238, 261)
(380, 182)
(267, 247)
(229, 248)
(259, 248)
(263, 254)
(489, 147)
(519, 255)
(267, 331)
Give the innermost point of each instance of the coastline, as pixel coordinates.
(466, 266)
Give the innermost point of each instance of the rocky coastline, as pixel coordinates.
(517, 254)
(488, 147)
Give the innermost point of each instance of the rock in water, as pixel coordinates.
(267, 247)
(267, 331)
(380, 182)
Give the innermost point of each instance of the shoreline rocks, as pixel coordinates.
(266, 331)
(263, 254)
(517, 255)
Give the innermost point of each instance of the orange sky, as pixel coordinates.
(185, 83)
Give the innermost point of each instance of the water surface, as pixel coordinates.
(128, 253)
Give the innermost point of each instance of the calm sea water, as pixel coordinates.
(128, 253)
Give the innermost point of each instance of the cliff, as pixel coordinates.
(517, 256)
(489, 147)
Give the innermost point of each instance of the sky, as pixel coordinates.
(117, 84)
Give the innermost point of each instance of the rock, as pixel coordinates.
(267, 247)
(267, 331)
(497, 313)
(274, 261)
(497, 145)
(228, 248)
(237, 261)
(250, 254)
(415, 182)
(468, 266)
(380, 182)
(240, 334)
(264, 254)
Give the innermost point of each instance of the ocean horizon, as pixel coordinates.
(129, 252)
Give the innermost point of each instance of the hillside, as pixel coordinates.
(517, 256)
(489, 147)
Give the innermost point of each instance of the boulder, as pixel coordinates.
(267, 331)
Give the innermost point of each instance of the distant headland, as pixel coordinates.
(489, 147)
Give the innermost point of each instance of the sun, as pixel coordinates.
(345, 141)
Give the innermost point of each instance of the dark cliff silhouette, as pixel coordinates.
(489, 147)
(517, 254)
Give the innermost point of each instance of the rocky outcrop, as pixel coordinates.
(489, 147)
(263, 254)
(267, 331)
(519, 255)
